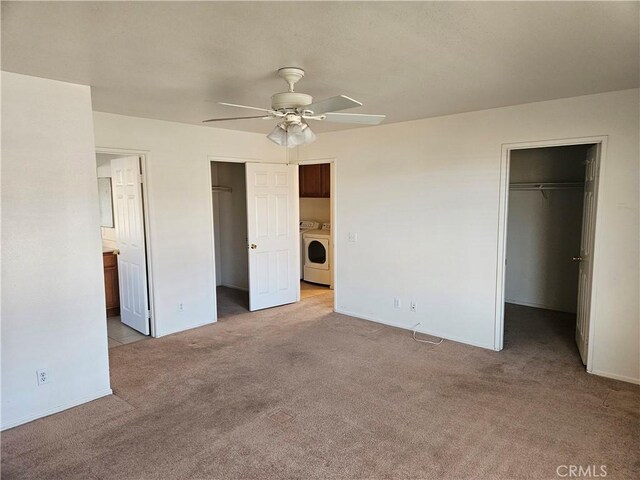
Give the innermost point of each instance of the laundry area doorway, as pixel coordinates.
(255, 233)
(550, 238)
(317, 245)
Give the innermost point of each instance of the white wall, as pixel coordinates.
(552, 164)
(232, 226)
(103, 168)
(543, 233)
(423, 198)
(318, 209)
(53, 306)
(109, 239)
(180, 208)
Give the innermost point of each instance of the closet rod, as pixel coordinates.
(546, 186)
(220, 188)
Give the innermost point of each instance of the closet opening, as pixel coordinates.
(229, 200)
(550, 231)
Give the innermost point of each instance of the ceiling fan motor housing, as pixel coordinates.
(290, 100)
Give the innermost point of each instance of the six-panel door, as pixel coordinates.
(273, 236)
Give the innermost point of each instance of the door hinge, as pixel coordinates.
(148, 314)
(141, 178)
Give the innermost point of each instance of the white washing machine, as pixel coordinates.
(305, 225)
(317, 255)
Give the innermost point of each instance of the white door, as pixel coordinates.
(273, 234)
(586, 252)
(130, 240)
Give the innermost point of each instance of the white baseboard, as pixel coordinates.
(57, 409)
(615, 376)
(537, 305)
(198, 325)
(409, 328)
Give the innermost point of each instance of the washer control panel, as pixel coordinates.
(308, 225)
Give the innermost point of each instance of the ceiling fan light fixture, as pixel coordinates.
(309, 136)
(279, 135)
(292, 135)
(295, 136)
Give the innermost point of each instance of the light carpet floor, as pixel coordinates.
(302, 392)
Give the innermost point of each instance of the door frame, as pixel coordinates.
(225, 159)
(503, 206)
(144, 157)
(333, 220)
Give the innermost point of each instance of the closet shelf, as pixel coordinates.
(220, 188)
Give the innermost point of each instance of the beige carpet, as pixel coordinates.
(301, 392)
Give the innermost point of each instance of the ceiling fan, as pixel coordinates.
(293, 109)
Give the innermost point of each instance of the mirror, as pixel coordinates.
(106, 205)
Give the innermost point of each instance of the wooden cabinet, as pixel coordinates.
(111, 286)
(310, 180)
(325, 180)
(315, 180)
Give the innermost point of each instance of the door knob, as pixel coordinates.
(253, 246)
(116, 251)
(576, 259)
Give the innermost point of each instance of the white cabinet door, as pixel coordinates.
(586, 252)
(273, 234)
(130, 240)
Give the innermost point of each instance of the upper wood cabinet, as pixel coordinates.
(325, 180)
(315, 180)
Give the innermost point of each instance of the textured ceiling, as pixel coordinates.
(408, 60)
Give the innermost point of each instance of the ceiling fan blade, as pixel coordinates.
(360, 118)
(234, 118)
(244, 106)
(333, 104)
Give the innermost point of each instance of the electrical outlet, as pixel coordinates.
(396, 303)
(181, 307)
(353, 237)
(43, 376)
(414, 306)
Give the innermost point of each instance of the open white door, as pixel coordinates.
(130, 240)
(273, 234)
(586, 252)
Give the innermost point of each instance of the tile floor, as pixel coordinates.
(121, 334)
(233, 302)
(312, 289)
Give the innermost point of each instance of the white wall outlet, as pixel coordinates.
(43, 376)
(181, 307)
(353, 237)
(414, 306)
(396, 303)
